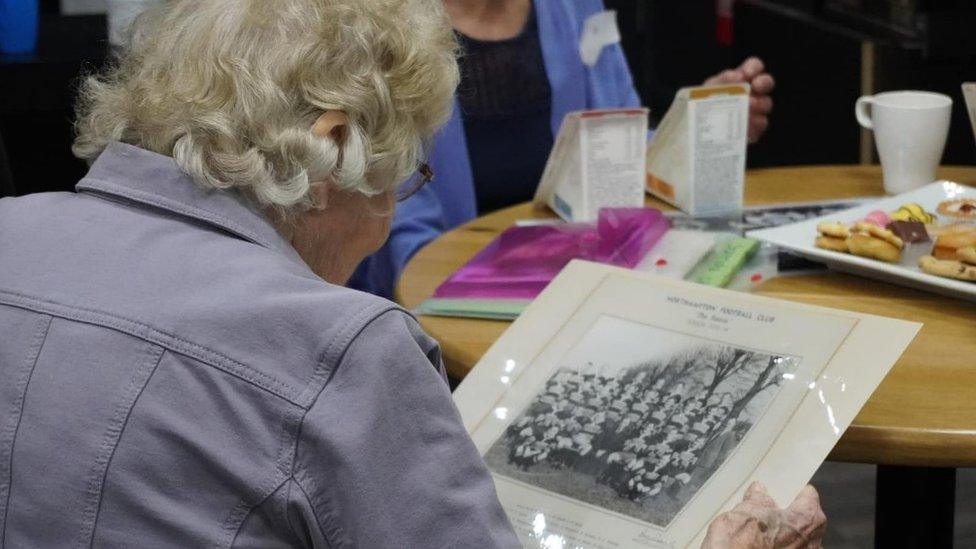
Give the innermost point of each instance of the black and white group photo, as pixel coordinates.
(637, 419)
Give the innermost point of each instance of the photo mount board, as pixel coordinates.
(597, 161)
(841, 357)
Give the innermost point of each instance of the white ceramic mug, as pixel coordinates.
(910, 130)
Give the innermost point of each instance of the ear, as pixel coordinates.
(331, 124)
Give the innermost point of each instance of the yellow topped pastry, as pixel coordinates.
(912, 212)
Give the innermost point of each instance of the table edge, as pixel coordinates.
(871, 444)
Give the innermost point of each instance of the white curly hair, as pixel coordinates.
(231, 88)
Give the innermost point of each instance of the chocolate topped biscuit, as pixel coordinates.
(909, 231)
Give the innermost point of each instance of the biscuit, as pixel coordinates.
(831, 243)
(967, 255)
(957, 238)
(953, 239)
(865, 245)
(947, 268)
(909, 231)
(877, 217)
(939, 230)
(960, 208)
(833, 229)
(878, 232)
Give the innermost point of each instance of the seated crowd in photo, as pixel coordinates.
(634, 433)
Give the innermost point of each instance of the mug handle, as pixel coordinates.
(862, 113)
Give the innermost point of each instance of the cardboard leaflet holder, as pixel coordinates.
(596, 162)
(696, 160)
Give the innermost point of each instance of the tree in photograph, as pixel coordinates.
(728, 362)
(766, 377)
(681, 367)
(652, 368)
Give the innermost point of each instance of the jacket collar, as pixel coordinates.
(155, 180)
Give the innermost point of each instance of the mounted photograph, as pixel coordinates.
(624, 409)
(637, 419)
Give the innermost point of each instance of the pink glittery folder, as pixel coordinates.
(523, 260)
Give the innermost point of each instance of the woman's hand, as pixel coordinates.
(752, 71)
(757, 523)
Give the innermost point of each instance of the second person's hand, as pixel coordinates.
(752, 71)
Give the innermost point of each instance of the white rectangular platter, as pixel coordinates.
(799, 238)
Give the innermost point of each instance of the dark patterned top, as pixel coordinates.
(506, 104)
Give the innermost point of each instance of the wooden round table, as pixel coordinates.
(918, 426)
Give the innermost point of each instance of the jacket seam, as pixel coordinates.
(168, 341)
(111, 438)
(288, 496)
(323, 374)
(318, 521)
(250, 510)
(282, 471)
(33, 355)
(347, 336)
(289, 481)
(290, 433)
(336, 347)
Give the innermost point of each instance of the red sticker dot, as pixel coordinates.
(756, 277)
(661, 262)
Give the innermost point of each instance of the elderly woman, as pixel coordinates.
(180, 364)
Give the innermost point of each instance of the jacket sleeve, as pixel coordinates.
(383, 455)
(417, 221)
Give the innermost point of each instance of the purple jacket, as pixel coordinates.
(173, 375)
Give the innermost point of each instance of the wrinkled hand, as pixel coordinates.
(752, 71)
(757, 523)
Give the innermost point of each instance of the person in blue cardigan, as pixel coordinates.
(521, 73)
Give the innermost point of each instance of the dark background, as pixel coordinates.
(812, 47)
